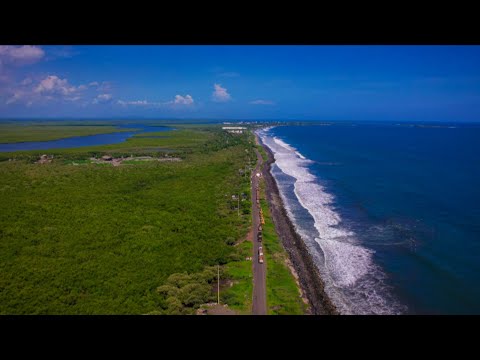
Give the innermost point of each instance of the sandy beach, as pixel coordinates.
(310, 281)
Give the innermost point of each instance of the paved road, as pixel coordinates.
(259, 289)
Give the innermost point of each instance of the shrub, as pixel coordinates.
(174, 306)
(193, 295)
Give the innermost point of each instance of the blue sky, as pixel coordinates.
(394, 83)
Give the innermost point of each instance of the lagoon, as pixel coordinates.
(90, 140)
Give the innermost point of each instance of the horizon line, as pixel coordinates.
(133, 118)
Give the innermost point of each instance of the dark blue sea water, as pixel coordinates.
(79, 141)
(390, 213)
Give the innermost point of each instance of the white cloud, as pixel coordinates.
(183, 100)
(20, 55)
(17, 95)
(220, 94)
(14, 56)
(104, 87)
(262, 102)
(49, 88)
(52, 88)
(177, 102)
(75, 98)
(134, 102)
(54, 85)
(102, 98)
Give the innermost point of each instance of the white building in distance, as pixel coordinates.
(234, 129)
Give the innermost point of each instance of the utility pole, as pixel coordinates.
(218, 284)
(238, 204)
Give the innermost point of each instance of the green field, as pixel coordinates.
(239, 295)
(136, 239)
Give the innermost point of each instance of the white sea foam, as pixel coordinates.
(346, 263)
(353, 281)
(289, 147)
(318, 203)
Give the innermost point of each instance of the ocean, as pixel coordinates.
(390, 212)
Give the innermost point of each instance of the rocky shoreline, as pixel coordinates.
(310, 281)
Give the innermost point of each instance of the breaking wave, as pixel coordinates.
(355, 284)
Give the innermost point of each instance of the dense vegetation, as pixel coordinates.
(184, 292)
(134, 239)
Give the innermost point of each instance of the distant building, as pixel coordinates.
(106, 158)
(234, 129)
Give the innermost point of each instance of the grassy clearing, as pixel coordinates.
(179, 139)
(239, 295)
(96, 239)
(283, 295)
(19, 133)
